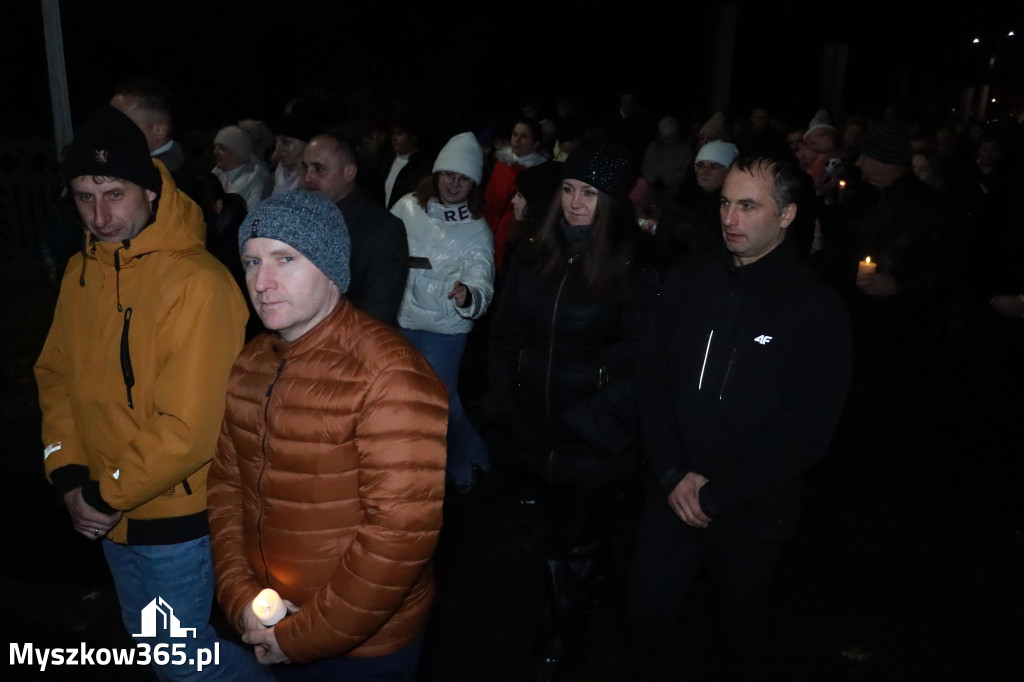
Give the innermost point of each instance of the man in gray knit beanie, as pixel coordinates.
(295, 250)
(325, 495)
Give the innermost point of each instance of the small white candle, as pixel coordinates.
(269, 607)
(866, 267)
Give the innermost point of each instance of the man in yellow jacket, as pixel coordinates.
(131, 384)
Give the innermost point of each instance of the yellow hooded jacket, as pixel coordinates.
(133, 372)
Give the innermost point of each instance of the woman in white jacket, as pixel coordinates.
(450, 283)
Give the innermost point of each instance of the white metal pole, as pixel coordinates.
(59, 103)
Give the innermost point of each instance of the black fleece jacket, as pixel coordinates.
(743, 380)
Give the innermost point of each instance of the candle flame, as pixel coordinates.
(867, 259)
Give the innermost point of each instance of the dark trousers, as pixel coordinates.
(666, 560)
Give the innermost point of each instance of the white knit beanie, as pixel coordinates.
(821, 120)
(237, 140)
(717, 151)
(463, 155)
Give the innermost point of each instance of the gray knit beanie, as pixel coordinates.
(308, 223)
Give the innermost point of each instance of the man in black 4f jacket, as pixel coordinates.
(740, 388)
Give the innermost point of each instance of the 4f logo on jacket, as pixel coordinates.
(763, 339)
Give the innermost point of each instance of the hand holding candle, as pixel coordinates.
(874, 283)
(269, 607)
(866, 267)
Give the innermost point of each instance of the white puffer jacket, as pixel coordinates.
(458, 247)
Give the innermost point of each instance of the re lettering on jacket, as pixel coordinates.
(456, 214)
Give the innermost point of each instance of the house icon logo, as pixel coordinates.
(159, 613)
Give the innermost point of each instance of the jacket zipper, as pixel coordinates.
(263, 468)
(551, 341)
(126, 357)
(728, 369)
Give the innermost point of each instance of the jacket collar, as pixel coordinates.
(772, 266)
(324, 333)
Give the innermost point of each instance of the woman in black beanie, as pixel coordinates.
(560, 397)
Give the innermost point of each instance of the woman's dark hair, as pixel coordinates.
(427, 190)
(611, 250)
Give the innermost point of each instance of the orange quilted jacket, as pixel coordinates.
(328, 483)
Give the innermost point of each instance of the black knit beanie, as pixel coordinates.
(886, 142)
(604, 164)
(109, 144)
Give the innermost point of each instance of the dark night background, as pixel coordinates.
(912, 575)
(230, 59)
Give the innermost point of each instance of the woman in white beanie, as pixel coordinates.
(450, 284)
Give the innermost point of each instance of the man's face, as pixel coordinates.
(795, 140)
(923, 169)
(759, 119)
(402, 142)
(289, 293)
(988, 154)
(158, 133)
(113, 209)
(750, 226)
(325, 172)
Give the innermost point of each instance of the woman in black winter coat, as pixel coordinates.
(560, 399)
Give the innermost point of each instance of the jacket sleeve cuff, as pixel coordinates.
(69, 477)
(92, 497)
(708, 503)
(669, 479)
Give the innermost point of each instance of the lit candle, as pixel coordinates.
(866, 267)
(269, 607)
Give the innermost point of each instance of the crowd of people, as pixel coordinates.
(691, 303)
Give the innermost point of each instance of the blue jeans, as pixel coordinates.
(465, 447)
(400, 666)
(171, 587)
